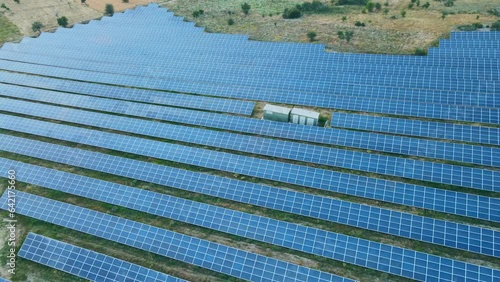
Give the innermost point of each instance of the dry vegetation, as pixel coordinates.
(418, 29)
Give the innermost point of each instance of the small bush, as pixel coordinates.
(363, 11)
(403, 13)
(62, 21)
(426, 5)
(292, 13)
(230, 22)
(17, 1)
(313, 7)
(5, 7)
(349, 35)
(370, 6)
(420, 52)
(386, 11)
(125, 1)
(449, 3)
(83, 1)
(495, 26)
(245, 7)
(36, 26)
(341, 35)
(198, 13)
(378, 6)
(358, 23)
(393, 17)
(444, 14)
(344, 18)
(311, 35)
(109, 10)
(352, 2)
(410, 6)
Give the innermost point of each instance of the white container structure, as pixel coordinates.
(276, 113)
(304, 117)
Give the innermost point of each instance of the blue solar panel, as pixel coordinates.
(241, 107)
(415, 196)
(413, 169)
(84, 263)
(249, 79)
(203, 253)
(406, 225)
(364, 140)
(417, 265)
(439, 111)
(131, 94)
(448, 131)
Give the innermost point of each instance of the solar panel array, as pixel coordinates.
(206, 254)
(413, 169)
(84, 263)
(440, 232)
(111, 85)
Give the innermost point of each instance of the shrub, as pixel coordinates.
(478, 25)
(344, 18)
(363, 11)
(292, 13)
(341, 35)
(449, 3)
(198, 13)
(403, 13)
(245, 7)
(62, 21)
(349, 35)
(420, 52)
(444, 14)
(83, 1)
(393, 17)
(418, 3)
(386, 11)
(313, 7)
(125, 1)
(17, 1)
(378, 6)
(230, 22)
(370, 6)
(386, 4)
(311, 35)
(495, 26)
(36, 26)
(109, 10)
(358, 23)
(426, 5)
(352, 2)
(410, 6)
(5, 7)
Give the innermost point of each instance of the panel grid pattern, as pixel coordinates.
(84, 263)
(413, 169)
(206, 254)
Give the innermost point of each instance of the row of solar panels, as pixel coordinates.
(310, 240)
(393, 144)
(393, 166)
(438, 111)
(419, 128)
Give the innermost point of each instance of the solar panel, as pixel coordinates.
(364, 140)
(251, 80)
(202, 253)
(452, 202)
(85, 263)
(448, 131)
(241, 107)
(440, 232)
(451, 112)
(413, 169)
(417, 265)
(131, 94)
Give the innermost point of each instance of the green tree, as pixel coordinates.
(403, 13)
(344, 18)
(341, 35)
(36, 26)
(370, 6)
(420, 52)
(426, 5)
(230, 22)
(311, 35)
(246, 8)
(386, 11)
(444, 14)
(62, 21)
(292, 13)
(349, 35)
(378, 6)
(109, 10)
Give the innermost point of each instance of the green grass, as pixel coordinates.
(8, 31)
